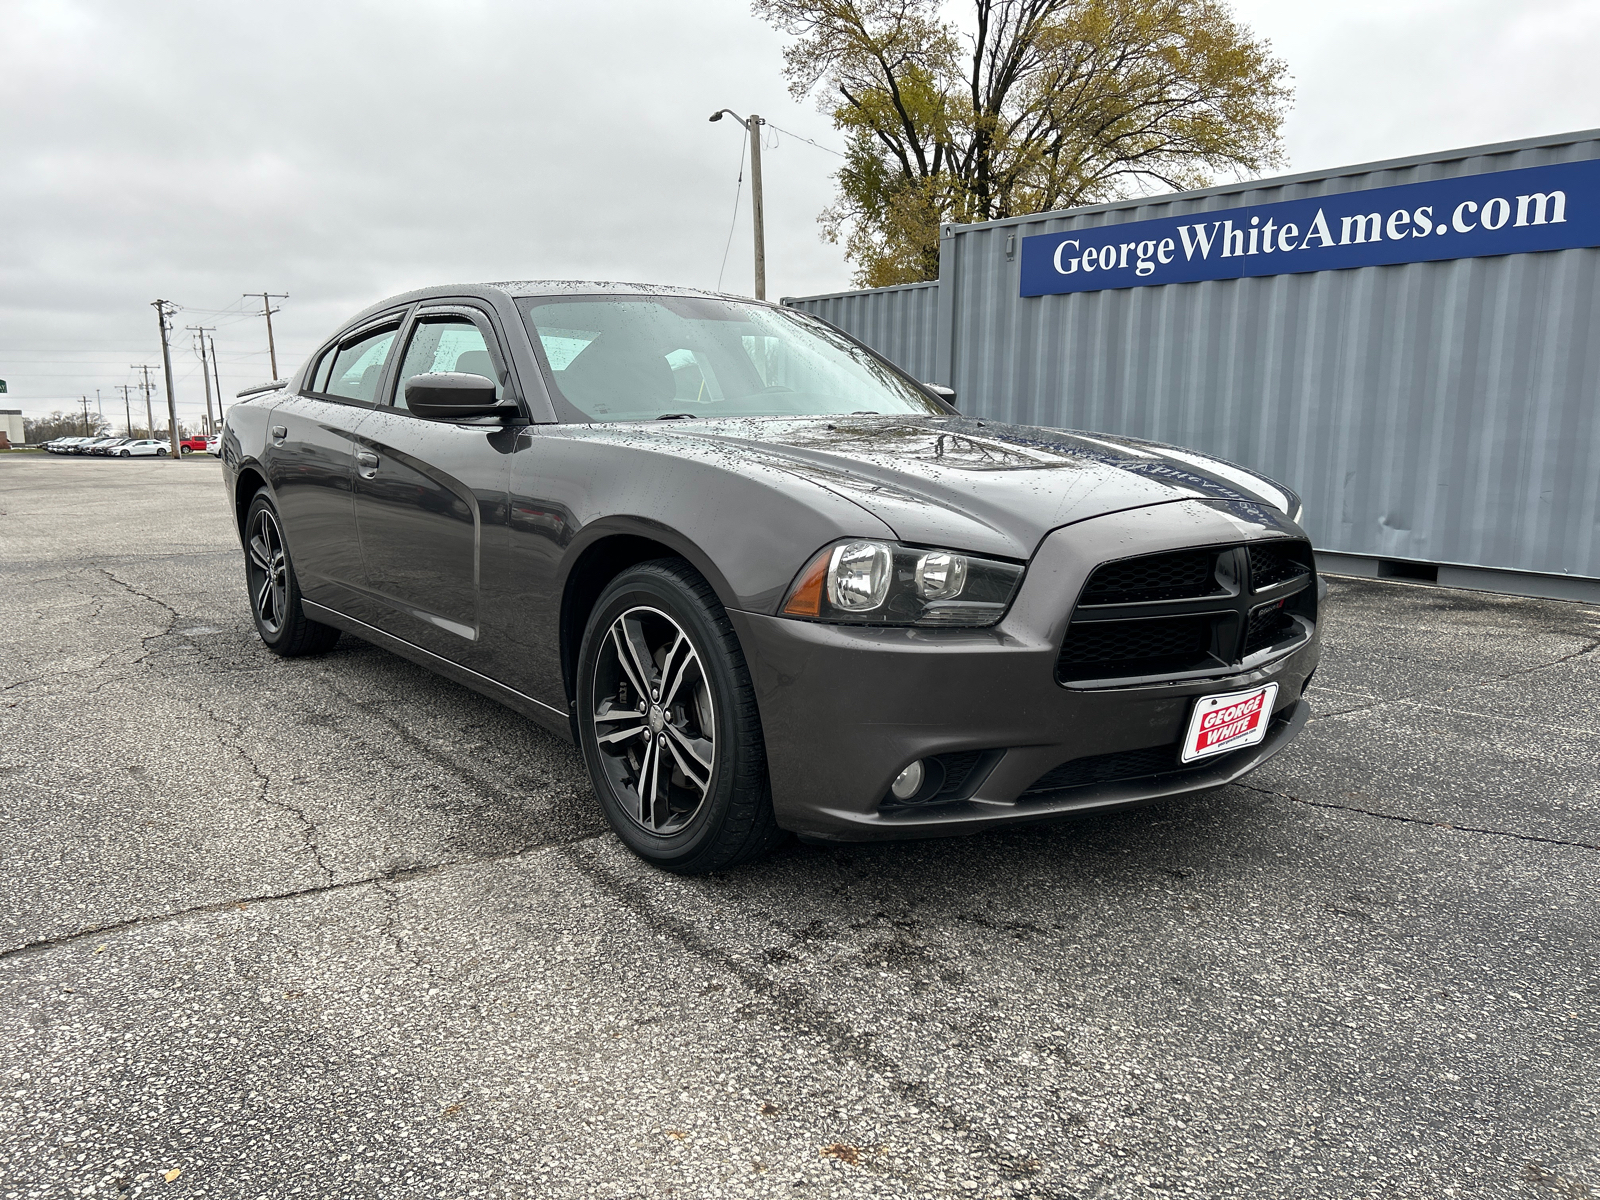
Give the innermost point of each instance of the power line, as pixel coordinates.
(806, 140)
(733, 221)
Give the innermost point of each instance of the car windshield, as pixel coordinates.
(645, 358)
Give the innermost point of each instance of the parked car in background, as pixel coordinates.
(214, 446)
(109, 446)
(87, 445)
(143, 448)
(766, 580)
(191, 444)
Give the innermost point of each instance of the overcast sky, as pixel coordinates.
(341, 151)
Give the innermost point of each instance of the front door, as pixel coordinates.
(430, 494)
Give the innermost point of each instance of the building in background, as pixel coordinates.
(10, 428)
(1413, 345)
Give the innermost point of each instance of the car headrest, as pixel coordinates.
(617, 374)
(475, 362)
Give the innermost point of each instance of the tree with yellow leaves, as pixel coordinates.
(1025, 106)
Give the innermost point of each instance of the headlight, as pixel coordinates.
(880, 583)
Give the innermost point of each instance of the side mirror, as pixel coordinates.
(948, 395)
(454, 394)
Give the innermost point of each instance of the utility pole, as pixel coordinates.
(164, 310)
(756, 212)
(754, 123)
(127, 408)
(99, 407)
(267, 310)
(149, 416)
(85, 400)
(202, 330)
(218, 378)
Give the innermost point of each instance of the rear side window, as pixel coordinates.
(357, 367)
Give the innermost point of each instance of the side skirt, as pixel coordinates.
(550, 718)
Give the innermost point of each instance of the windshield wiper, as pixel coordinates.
(866, 412)
(676, 417)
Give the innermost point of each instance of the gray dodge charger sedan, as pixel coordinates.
(766, 581)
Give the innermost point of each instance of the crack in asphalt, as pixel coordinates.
(1368, 812)
(1482, 681)
(396, 875)
(263, 783)
(793, 1005)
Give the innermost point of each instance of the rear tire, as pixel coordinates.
(186, 449)
(705, 804)
(273, 589)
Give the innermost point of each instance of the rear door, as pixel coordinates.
(311, 462)
(430, 495)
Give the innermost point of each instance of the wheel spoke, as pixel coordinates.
(690, 772)
(647, 784)
(698, 747)
(625, 661)
(262, 599)
(633, 723)
(639, 651)
(673, 671)
(259, 554)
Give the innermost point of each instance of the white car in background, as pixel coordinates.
(143, 447)
(214, 446)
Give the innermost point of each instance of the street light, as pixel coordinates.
(753, 123)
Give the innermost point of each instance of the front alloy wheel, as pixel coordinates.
(666, 716)
(655, 719)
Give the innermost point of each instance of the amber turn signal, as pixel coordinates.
(806, 598)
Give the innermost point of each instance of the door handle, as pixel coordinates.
(366, 463)
(280, 432)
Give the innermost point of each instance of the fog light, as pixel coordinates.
(908, 782)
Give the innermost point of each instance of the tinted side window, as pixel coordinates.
(358, 366)
(446, 344)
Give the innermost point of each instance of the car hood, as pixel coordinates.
(988, 487)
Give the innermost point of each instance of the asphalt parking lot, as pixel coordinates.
(340, 928)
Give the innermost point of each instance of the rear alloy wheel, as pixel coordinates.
(274, 590)
(668, 725)
(187, 449)
(125, 454)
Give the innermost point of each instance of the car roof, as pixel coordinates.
(520, 289)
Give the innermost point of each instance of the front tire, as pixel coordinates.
(274, 591)
(187, 449)
(667, 720)
(125, 454)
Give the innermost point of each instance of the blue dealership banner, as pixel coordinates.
(1501, 212)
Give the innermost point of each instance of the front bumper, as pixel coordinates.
(846, 708)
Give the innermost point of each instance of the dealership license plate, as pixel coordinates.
(1229, 722)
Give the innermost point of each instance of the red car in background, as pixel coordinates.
(191, 445)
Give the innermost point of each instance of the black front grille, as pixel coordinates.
(1184, 575)
(1134, 647)
(1268, 624)
(1270, 564)
(1186, 611)
(1107, 768)
(1125, 765)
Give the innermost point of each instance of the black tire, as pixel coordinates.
(709, 692)
(161, 452)
(186, 449)
(275, 602)
(125, 454)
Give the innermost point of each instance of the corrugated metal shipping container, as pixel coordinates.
(900, 323)
(1443, 412)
